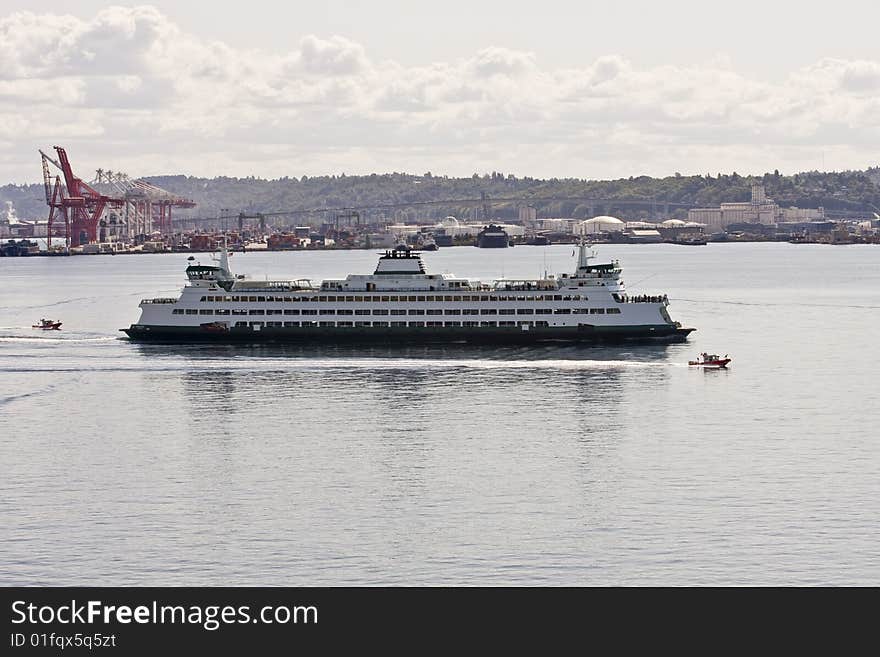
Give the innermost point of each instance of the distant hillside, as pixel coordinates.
(856, 191)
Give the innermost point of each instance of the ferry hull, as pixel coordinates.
(586, 334)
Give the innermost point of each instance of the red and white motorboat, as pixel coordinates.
(710, 360)
(48, 325)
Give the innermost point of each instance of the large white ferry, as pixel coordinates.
(401, 301)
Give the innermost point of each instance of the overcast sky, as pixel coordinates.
(590, 90)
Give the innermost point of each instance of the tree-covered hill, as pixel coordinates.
(854, 191)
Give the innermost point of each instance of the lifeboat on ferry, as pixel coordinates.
(47, 325)
(214, 327)
(710, 360)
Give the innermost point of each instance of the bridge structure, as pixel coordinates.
(483, 202)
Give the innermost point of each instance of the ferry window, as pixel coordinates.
(220, 311)
(380, 312)
(257, 312)
(525, 311)
(273, 323)
(362, 323)
(261, 298)
(612, 311)
(491, 298)
(392, 298)
(358, 298)
(484, 298)
(192, 311)
(361, 311)
(398, 311)
(524, 323)
(453, 323)
(344, 324)
(291, 312)
(327, 312)
(435, 323)
(412, 298)
(177, 311)
(257, 323)
(416, 312)
(206, 312)
(416, 323)
(567, 297)
(506, 323)
(236, 299)
(252, 298)
(420, 298)
(451, 312)
(541, 324)
(203, 299)
(458, 298)
(562, 311)
(506, 311)
(544, 311)
(488, 311)
(309, 312)
(227, 298)
(241, 323)
(384, 298)
(470, 323)
(392, 323)
(239, 312)
(463, 298)
(308, 323)
(344, 312)
(487, 323)
(326, 323)
(289, 324)
(447, 298)
(557, 297)
(470, 311)
(435, 312)
(349, 298)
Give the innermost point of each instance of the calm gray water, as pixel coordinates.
(134, 465)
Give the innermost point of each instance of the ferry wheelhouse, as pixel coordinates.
(402, 301)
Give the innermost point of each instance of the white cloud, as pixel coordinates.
(130, 89)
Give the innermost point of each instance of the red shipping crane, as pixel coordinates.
(74, 203)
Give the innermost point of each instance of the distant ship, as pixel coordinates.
(401, 301)
(493, 237)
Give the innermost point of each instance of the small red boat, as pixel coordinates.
(48, 325)
(710, 360)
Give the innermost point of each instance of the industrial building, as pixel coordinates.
(760, 210)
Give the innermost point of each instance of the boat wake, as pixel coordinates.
(43, 339)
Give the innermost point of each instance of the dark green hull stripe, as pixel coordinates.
(410, 334)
